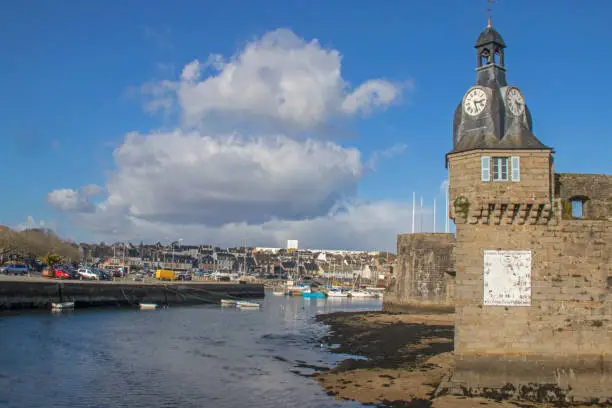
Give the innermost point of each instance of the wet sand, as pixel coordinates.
(408, 356)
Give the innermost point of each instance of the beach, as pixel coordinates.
(407, 357)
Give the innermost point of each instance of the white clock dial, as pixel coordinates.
(475, 101)
(515, 102)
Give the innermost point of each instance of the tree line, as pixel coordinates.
(34, 244)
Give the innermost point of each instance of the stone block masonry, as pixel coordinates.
(424, 274)
(561, 341)
(593, 190)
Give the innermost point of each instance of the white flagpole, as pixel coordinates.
(434, 217)
(446, 217)
(413, 205)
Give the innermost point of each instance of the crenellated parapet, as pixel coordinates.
(500, 212)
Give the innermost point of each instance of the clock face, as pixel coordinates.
(475, 101)
(515, 102)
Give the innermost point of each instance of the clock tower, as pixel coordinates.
(531, 274)
(501, 193)
(492, 114)
(495, 154)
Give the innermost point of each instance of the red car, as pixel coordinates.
(61, 274)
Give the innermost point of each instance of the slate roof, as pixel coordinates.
(489, 35)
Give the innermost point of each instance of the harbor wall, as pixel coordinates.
(20, 294)
(423, 280)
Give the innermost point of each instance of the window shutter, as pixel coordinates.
(516, 168)
(485, 168)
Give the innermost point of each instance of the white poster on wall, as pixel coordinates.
(507, 278)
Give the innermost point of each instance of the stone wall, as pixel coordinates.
(536, 177)
(567, 330)
(423, 276)
(594, 189)
(40, 293)
(561, 341)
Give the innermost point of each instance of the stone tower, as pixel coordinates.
(496, 159)
(528, 279)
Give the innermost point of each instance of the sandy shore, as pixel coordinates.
(408, 356)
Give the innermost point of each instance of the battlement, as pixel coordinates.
(591, 192)
(500, 212)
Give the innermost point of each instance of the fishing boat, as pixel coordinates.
(148, 306)
(228, 302)
(279, 293)
(244, 304)
(62, 306)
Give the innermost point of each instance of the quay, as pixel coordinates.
(38, 293)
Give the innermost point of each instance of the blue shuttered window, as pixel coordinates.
(516, 168)
(485, 168)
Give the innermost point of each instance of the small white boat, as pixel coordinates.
(336, 293)
(228, 302)
(148, 306)
(360, 294)
(62, 306)
(248, 304)
(278, 293)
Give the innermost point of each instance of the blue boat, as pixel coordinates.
(313, 295)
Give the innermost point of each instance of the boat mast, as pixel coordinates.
(244, 260)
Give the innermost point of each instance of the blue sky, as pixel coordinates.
(73, 75)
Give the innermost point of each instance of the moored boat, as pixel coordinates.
(148, 306)
(313, 295)
(62, 306)
(361, 294)
(336, 293)
(245, 304)
(228, 302)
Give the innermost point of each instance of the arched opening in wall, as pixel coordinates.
(486, 57)
(578, 206)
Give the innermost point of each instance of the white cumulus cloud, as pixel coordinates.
(67, 199)
(279, 76)
(187, 178)
(91, 190)
(267, 186)
(358, 226)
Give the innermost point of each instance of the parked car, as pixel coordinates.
(14, 269)
(87, 273)
(61, 274)
(183, 276)
(74, 274)
(103, 275)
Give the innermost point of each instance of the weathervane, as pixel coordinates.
(489, 12)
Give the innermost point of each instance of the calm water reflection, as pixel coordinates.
(204, 356)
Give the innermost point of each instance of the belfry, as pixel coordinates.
(533, 297)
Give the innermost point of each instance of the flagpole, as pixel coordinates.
(447, 214)
(413, 205)
(434, 217)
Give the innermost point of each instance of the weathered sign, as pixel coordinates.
(507, 278)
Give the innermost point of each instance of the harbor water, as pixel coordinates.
(196, 356)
